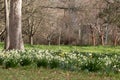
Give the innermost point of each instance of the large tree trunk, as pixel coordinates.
(15, 31)
(6, 46)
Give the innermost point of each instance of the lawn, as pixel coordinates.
(96, 49)
(28, 73)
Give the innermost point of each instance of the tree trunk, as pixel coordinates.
(15, 29)
(49, 43)
(106, 36)
(59, 42)
(93, 39)
(115, 36)
(79, 37)
(102, 39)
(6, 46)
(115, 41)
(31, 40)
(93, 36)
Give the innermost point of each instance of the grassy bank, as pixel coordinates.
(28, 73)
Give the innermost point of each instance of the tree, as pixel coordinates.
(6, 46)
(15, 29)
(111, 16)
(2, 20)
(31, 20)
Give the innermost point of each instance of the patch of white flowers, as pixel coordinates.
(69, 60)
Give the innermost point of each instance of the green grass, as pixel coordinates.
(95, 49)
(28, 73)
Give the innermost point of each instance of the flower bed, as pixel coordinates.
(74, 60)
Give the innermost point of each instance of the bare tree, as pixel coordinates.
(110, 16)
(32, 20)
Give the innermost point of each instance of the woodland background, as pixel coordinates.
(68, 22)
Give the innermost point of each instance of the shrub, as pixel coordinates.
(73, 60)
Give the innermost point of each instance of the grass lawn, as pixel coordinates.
(27, 73)
(96, 49)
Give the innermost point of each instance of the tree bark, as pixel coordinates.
(15, 29)
(6, 46)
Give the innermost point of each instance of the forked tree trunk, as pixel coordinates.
(15, 31)
(6, 46)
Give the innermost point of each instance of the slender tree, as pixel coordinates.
(6, 24)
